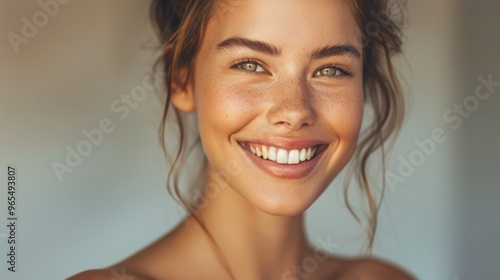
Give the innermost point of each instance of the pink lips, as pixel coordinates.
(286, 171)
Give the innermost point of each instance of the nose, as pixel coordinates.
(292, 105)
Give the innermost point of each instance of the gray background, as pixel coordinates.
(440, 223)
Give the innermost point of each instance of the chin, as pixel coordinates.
(284, 206)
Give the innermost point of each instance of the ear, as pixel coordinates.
(182, 95)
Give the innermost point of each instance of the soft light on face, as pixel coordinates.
(276, 72)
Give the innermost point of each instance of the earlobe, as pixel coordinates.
(182, 95)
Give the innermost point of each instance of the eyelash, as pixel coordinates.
(344, 70)
(247, 60)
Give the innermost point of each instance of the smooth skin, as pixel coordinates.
(265, 83)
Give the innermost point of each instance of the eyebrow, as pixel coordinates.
(268, 49)
(336, 50)
(255, 45)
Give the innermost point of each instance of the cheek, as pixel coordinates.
(226, 106)
(343, 111)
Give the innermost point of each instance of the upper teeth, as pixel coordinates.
(281, 155)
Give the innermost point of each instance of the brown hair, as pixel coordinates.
(181, 24)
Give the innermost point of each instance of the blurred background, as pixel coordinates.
(75, 67)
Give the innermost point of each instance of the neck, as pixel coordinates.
(255, 244)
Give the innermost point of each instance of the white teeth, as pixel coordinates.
(309, 153)
(257, 152)
(272, 153)
(264, 152)
(293, 157)
(303, 155)
(283, 156)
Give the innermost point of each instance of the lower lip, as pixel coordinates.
(285, 171)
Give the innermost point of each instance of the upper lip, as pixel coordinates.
(284, 143)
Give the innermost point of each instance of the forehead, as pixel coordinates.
(285, 22)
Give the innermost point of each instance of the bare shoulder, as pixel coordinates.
(106, 274)
(374, 269)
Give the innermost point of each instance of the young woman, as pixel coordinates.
(279, 88)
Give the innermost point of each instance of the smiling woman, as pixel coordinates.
(279, 89)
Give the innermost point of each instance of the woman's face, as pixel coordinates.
(282, 77)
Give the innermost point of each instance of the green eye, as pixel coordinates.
(329, 71)
(333, 71)
(250, 66)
